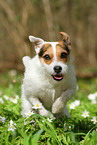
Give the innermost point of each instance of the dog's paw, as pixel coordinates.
(26, 60)
(57, 107)
(45, 113)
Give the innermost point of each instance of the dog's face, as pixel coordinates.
(54, 55)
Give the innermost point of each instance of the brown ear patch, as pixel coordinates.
(46, 54)
(66, 38)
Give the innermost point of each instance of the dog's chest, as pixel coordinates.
(49, 95)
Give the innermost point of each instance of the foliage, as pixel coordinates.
(38, 130)
(45, 19)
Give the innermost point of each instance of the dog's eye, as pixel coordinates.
(47, 57)
(63, 55)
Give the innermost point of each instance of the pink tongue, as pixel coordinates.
(58, 77)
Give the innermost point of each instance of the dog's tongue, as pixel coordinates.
(58, 77)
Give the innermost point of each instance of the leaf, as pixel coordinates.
(93, 139)
(86, 138)
(9, 112)
(36, 137)
(26, 139)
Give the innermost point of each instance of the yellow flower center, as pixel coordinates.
(29, 113)
(12, 126)
(37, 105)
(72, 105)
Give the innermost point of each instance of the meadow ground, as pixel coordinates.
(81, 129)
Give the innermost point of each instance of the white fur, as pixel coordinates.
(38, 41)
(40, 87)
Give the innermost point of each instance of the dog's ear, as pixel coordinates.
(66, 39)
(37, 41)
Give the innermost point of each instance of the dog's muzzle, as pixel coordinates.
(58, 76)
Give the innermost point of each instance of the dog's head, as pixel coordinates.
(54, 56)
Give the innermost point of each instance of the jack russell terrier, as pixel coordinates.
(49, 78)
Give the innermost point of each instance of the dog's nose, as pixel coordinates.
(57, 69)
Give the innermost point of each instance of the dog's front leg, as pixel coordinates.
(42, 111)
(60, 102)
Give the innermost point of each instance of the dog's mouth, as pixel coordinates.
(57, 77)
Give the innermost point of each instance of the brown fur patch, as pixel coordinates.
(61, 48)
(46, 50)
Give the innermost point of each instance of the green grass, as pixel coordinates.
(37, 130)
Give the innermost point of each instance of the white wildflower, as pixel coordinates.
(93, 101)
(28, 114)
(1, 100)
(2, 119)
(50, 120)
(94, 120)
(5, 97)
(11, 126)
(14, 99)
(72, 105)
(37, 106)
(77, 102)
(17, 96)
(95, 94)
(91, 96)
(85, 114)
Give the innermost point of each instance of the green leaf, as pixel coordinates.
(26, 139)
(86, 138)
(36, 137)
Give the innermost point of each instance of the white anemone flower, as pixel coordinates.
(50, 120)
(28, 114)
(94, 120)
(95, 94)
(85, 114)
(91, 96)
(2, 119)
(93, 101)
(5, 97)
(37, 106)
(72, 105)
(14, 99)
(12, 125)
(77, 102)
(17, 96)
(1, 100)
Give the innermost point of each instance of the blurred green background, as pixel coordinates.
(45, 19)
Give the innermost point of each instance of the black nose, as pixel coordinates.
(57, 69)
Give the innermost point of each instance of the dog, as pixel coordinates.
(49, 78)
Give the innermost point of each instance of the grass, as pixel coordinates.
(37, 130)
